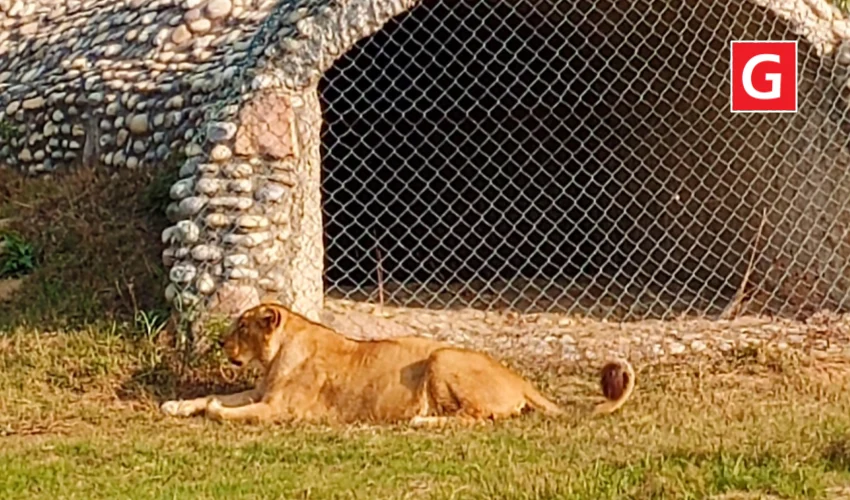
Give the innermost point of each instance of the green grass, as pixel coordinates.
(17, 256)
(79, 414)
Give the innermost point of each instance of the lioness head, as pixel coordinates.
(252, 337)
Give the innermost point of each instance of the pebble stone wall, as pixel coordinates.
(228, 88)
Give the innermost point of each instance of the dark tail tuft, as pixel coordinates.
(618, 382)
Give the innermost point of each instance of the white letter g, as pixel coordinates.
(773, 78)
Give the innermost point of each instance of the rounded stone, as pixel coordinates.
(189, 231)
(113, 108)
(676, 348)
(182, 189)
(221, 153)
(200, 26)
(105, 140)
(181, 35)
(205, 284)
(237, 202)
(188, 168)
(192, 205)
(172, 212)
(192, 15)
(208, 169)
(168, 257)
(238, 171)
(221, 131)
(162, 152)
(49, 129)
(271, 193)
(175, 102)
(159, 40)
(182, 273)
(240, 186)
(112, 50)
(189, 299)
(247, 240)
(34, 103)
(216, 9)
(206, 253)
(170, 235)
(217, 220)
(698, 346)
(13, 107)
(270, 285)
(193, 149)
(252, 222)
(121, 137)
(208, 186)
(139, 124)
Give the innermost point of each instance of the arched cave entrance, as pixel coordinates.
(548, 155)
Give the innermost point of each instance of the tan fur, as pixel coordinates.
(314, 373)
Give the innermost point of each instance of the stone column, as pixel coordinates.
(248, 206)
(279, 132)
(252, 227)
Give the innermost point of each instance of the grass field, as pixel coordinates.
(79, 418)
(78, 412)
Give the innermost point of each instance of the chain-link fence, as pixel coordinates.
(582, 157)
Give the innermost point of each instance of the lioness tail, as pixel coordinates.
(618, 382)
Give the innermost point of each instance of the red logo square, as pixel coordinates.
(764, 76)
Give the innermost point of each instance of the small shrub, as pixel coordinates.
(17, 257)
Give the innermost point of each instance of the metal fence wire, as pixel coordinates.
(581, 157)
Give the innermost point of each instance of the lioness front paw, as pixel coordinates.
(179, 408)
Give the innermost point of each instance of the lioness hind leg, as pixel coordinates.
(256, 412)
(472, 386)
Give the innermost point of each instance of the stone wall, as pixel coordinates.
(115, 83)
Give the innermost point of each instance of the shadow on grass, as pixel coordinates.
(167, 376)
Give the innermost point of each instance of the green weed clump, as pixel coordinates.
(17, 256)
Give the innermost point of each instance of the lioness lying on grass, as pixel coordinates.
(314, 373)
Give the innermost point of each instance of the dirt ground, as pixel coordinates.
(558, 338)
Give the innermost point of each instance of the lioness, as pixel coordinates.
(314, 373)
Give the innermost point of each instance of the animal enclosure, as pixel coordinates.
(582, 157)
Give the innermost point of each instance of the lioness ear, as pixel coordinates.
(271, 318)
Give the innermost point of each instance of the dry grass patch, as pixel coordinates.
(95, 235)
